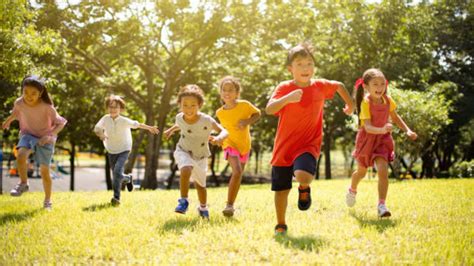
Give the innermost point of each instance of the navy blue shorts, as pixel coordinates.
(282, 176)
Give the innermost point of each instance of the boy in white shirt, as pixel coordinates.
(114, 130)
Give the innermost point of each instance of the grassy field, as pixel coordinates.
(432, 223)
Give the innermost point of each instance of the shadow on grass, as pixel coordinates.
(97, 207)
(380, 224)
(305, 243)
(180, 224)
(17, 217)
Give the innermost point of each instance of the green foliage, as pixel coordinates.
(463, 169)
(430, 225)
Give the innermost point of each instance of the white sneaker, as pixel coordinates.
(350, 198)
(48, 205)
(19, 189)
(228, 211)
(383, 211)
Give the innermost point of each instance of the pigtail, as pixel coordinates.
(358, 95)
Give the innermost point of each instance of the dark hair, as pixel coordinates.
(358, 93)
(39, 84)
(230, 79)
(191, 90)
(115, 98)
(301, 50)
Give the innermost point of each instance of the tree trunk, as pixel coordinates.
(327, 153)
(318, 163)
(257, 155)
(72, 158)
(412, 173)
(108, 177)
(173, 169)
(213, 164)
(134, 152)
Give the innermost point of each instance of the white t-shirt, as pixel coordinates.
(195, 137)
(118, 133)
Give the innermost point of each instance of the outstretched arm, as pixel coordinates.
(8, 121)
(376, 130)
(170, 131)
(153, 130)
(275, 105)
(219, 139)
(402, 125)
(346, 97)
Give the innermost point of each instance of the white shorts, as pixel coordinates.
(199, 171)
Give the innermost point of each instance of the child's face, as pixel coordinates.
(114, 109)
(302, 69)
(189, 105)
(31, 95)
(376, 87)
(229, 93)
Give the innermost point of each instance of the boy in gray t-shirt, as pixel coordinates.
(192, 150)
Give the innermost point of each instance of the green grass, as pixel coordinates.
(432, 222)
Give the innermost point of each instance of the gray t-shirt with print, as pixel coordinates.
(194, 138)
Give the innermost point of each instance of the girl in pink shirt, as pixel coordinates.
(39, 127)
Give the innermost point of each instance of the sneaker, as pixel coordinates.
(280, 229)
(350, 198)
(228, 211)
(130, 184)
(182, 206)
(115, 202)
(203, 212)
(48, 205)
(125, 181)
(383, 211)
(304, 198)
(19, 189)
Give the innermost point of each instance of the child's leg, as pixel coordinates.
(202, 194)
(281, 202)
(303, 177)
(116, 178)
(357, 176)
(47, 182)
(382, 171)
(22, 164)
(235, 179)
(185, 175)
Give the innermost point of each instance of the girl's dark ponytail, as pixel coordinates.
(39, 84)
(358, 95)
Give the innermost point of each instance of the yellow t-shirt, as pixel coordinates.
(365, 108)
(229, 119)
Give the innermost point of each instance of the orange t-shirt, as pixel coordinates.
(300, 126)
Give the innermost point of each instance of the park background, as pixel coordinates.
(146, 50)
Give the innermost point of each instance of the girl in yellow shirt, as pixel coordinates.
(235, 116)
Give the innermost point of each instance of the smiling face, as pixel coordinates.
(302, 70)
(114, 109)
(190, 106)
(31, 95)
(376, 87)
(229, 93)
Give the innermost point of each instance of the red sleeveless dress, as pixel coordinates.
(369, 146)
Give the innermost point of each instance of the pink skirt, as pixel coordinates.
(229, 151)
(370, 146)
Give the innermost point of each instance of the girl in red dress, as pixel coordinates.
(374, 143)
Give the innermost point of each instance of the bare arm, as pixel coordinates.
(275, 105)
(8, 121)
(170, 131)
(376, 130)
(402, 125)
(346, 97)
(223, 134)
(51, 139)
(252, 119)
(153, 130)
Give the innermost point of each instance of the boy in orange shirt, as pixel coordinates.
(299, 104)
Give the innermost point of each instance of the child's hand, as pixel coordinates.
(6, 124)
(412, 135)
(388, 128)
(294, 96)
(47, 140)
(102, 136)
(242, 124)
(348, 110)
(168, 133)
(216, 141)
(154, 130)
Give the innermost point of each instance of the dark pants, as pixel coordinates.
(117, 164)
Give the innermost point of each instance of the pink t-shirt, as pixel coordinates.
(39, 120)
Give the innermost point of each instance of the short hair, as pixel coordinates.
(115, 98)
(191, 90)
(301, 50)
(230, 79)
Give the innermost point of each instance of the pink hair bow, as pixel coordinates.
(359, 82)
